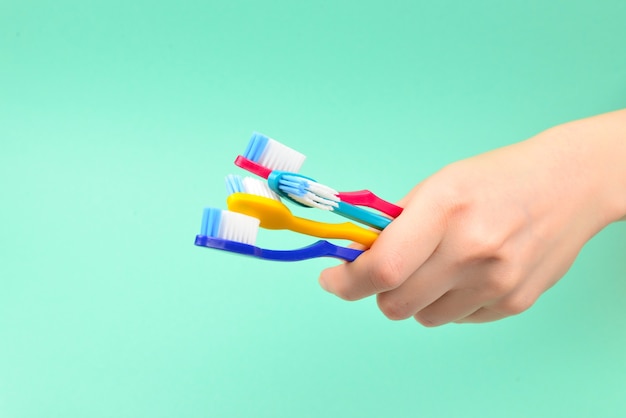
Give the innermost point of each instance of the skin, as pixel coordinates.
(484, 237)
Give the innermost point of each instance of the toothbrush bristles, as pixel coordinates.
(323, 190)
(250, 185)
(309, 193)
(238, 227)
(292, 187)
(315, 201)
(259, 188)
(272, 154)
(231, 226)
(234, 184)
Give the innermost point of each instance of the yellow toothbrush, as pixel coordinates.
(254, 198)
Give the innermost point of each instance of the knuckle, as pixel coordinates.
(448, 193)
(497, 286)
(481, 242)
(514, 305)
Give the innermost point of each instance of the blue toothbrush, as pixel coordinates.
(236, 233)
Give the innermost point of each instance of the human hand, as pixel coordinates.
(483, 238)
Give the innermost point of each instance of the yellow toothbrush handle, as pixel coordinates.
(344, 230)
(275, 215)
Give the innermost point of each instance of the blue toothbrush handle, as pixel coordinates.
(362, 215)
(320, 248)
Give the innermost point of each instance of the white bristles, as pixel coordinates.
(277, 156)
(323, 191)
(238, 227)
(259, 188)
(313, 200)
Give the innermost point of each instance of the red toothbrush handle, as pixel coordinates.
(252, 167)
(369, 199)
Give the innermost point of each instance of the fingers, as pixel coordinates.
(480, 316)
(520, 299)
(399, 251)
(442, 291)
(452, 306)
(513, 303)
(510, 305)
(428, 284)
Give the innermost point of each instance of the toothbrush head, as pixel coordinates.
(264, 154)
(309, 193)
(272, 214)
(230, 226)
(228, 231)
(253, 197)
(250, 185)
(303, 190)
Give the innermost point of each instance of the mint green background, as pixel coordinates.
(118, 121)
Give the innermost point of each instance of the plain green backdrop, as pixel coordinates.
(118, 122)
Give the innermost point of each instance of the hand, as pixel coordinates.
(483, 238)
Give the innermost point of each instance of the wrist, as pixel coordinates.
(597, 147)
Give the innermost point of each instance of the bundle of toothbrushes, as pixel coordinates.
(258, 202)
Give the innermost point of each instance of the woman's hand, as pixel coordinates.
(483, 238)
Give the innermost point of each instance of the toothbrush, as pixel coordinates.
(253, 197)
(305, 191)
(236, 233)
(264, 155)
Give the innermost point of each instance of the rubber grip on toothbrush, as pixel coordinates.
(252, 167)
(369, 199)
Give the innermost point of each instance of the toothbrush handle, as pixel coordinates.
(252, 167)
(345, 230)
(319, 248)
(369, 199)
(361, 215)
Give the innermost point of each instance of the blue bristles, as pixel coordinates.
(211, 218)
(234, 184)
(293, 185)
(256, 146)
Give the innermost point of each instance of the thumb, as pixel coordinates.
(400, 249)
